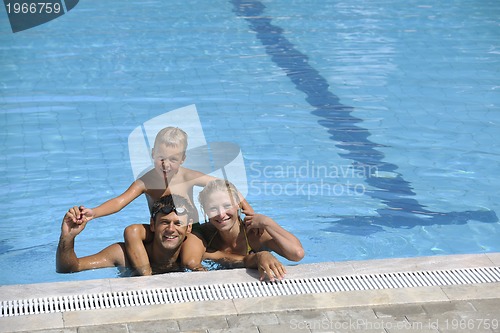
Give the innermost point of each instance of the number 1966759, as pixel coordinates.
(33, 8)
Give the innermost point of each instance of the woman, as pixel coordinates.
(229, 239)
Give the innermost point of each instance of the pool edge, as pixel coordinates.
(343, 299)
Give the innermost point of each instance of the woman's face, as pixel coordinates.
(221, 209)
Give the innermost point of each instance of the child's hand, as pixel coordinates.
(86, 214)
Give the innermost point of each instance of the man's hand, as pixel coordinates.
(86, 213)
(270, 266)
(73, 222)
(80, 214)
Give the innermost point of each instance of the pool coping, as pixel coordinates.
(343, 299)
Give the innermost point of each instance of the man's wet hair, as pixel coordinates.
(172, 202)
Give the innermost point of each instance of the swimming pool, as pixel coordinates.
(368, 128)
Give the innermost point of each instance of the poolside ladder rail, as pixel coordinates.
(121, 299)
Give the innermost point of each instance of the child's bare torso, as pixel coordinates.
(156, 186)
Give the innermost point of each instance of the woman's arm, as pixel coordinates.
(267, 264)
(228, 260)
(275, 237)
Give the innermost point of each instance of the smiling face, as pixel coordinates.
(221, 209)
(170, 230)
(168, 159)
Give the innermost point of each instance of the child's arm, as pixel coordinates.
(135, 236)
(116, 204)
(275, 237)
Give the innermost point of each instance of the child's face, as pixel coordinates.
(168, 159)
(221, 210)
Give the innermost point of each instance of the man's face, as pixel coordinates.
(168, 159)
(170, 230)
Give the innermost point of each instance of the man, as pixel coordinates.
(170, 223)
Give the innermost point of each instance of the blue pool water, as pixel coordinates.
(368, 128)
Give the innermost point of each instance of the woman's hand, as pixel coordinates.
(270, 266)
(257, 222)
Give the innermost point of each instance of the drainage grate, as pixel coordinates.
(249, 289)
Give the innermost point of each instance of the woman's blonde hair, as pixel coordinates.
(216, 186)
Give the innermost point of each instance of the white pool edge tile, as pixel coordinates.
(253, 305)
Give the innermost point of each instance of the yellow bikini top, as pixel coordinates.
(249, 248)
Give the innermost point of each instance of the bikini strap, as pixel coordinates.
(249, 248)
(212, 238)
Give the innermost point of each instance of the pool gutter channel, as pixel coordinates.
(212, 292)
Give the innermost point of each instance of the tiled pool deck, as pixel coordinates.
(457, 308)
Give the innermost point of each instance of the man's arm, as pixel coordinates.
(66, 259)
(192, 252)
(135, 236)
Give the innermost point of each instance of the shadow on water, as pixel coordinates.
(5, 247)
(395, 192)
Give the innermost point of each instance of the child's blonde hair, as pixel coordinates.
(171, 136)
(218, 185)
